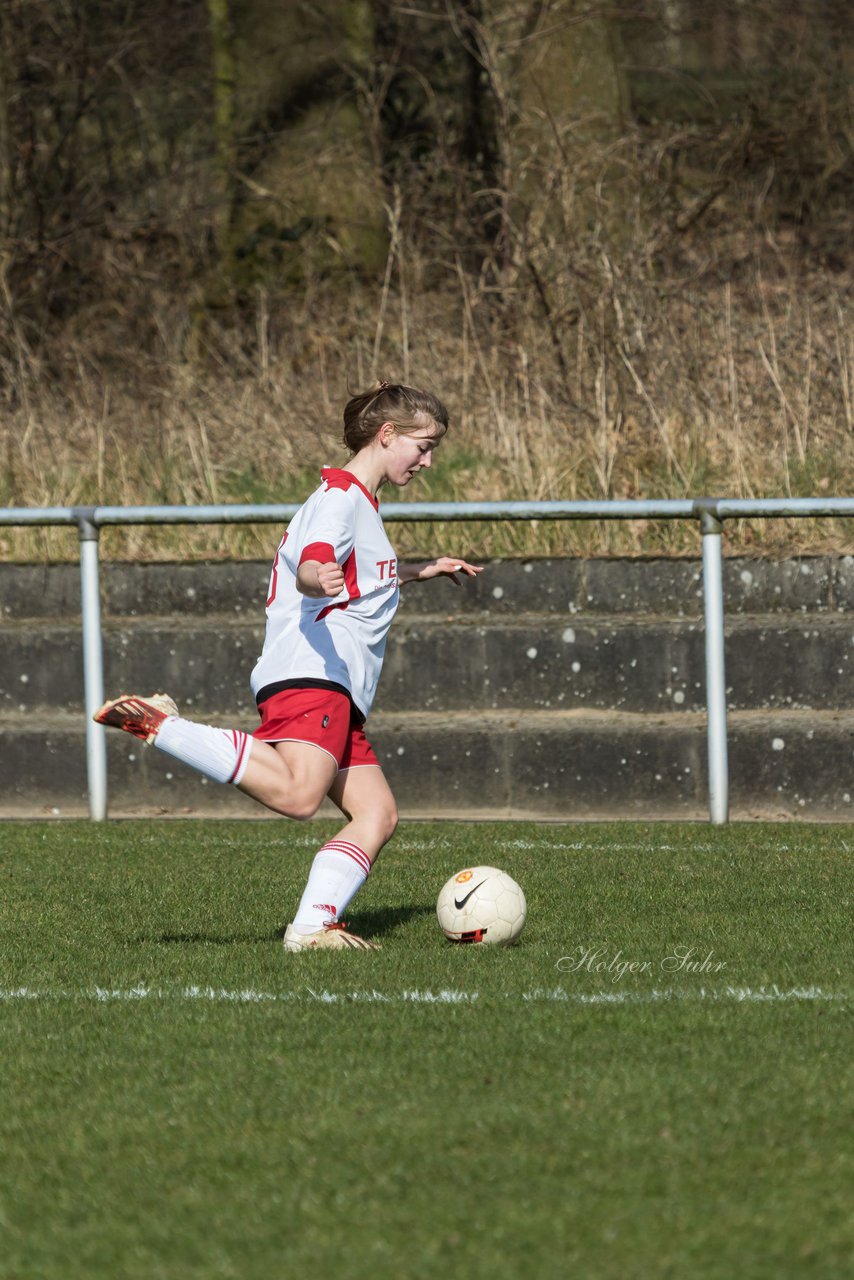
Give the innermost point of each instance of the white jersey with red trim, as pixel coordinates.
(336, 639)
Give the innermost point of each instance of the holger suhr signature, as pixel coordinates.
(615, 965)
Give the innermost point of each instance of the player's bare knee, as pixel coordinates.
(300, 813)
(306, 808)
(299, 808)
(388, 821)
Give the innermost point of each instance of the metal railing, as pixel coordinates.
(709, 512)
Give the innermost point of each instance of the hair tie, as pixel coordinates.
(383, 385)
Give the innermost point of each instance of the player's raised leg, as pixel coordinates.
(141, 717)
(289, 777)
(341, 867)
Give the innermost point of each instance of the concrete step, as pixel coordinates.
(560, 586)
(550, 688)
(482, 662)
(559, 765)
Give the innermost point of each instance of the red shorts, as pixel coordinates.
(322, 717)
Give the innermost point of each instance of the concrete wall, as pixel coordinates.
(555, 688)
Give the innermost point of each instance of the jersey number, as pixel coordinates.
(274, 576)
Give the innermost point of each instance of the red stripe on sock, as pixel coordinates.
(240, 741)
(350, 851)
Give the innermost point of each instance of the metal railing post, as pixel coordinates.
(713, 607)
(93, 663)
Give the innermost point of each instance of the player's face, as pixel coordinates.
(410, 452)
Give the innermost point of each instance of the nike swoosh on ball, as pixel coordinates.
(459, 904)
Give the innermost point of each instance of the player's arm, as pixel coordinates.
(327, 542)
(319, 573)
(444, 567)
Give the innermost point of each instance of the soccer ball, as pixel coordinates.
(481, 904)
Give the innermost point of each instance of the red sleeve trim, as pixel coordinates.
(324, 552)
(351, 583)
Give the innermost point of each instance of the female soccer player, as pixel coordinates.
(334, 589)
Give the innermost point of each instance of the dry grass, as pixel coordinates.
(659, 354)
(660, 390)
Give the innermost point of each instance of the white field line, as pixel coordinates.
(536, 995)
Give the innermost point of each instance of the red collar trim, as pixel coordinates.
(338, 478)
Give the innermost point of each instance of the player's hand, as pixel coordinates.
(318, 580)
(446, 567)
(330, 579)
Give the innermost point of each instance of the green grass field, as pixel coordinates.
(181, 1098)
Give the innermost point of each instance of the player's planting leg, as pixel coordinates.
(337, 874)
(333, 936)
(341, 867)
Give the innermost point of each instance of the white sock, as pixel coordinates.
(339, 870)
(220, 754)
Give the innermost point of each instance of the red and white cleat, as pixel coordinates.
(331, 935)
(140, 716)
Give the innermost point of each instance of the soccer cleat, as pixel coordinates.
(140, 716)
(331, 935)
